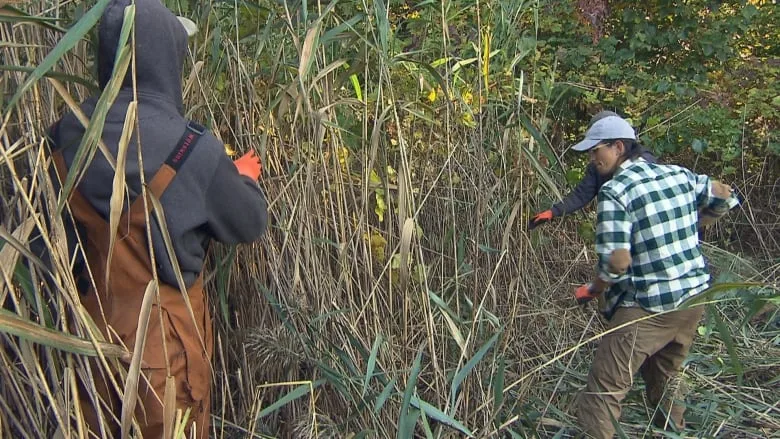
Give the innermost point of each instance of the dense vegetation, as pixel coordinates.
(405, 145)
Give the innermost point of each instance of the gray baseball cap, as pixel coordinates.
(610, 127)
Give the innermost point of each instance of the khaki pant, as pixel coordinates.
(657, 347)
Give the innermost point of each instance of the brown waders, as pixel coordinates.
(656, 347)
(173, 340)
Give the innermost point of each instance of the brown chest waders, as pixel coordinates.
(115, 308)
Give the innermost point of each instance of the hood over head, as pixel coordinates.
(161, 46)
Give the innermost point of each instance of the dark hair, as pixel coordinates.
(633, 148)
(601, 115)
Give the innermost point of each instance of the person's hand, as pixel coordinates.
(249, 165)
(540, 218)
(584, 294)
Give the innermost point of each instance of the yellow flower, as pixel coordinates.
(343, 154)
(378, 244)
(381, 206)
(468, 120)
(432, 95)
(468, 98)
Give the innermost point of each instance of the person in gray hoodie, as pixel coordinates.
(204, 196)
(585, 190)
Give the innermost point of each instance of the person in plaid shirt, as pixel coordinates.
(650, 262)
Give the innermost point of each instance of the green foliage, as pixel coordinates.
(669, 68)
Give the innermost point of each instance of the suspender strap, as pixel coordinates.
(185, 145)
(168, 170)
(156, 186)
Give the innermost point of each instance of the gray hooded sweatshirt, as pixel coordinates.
(208, 198)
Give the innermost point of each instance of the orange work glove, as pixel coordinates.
(540, 218)
(584, 294)
(249, 165)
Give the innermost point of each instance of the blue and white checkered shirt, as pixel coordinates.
(652, 210)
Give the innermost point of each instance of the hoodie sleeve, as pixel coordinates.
(235, 206)
(585, 191)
